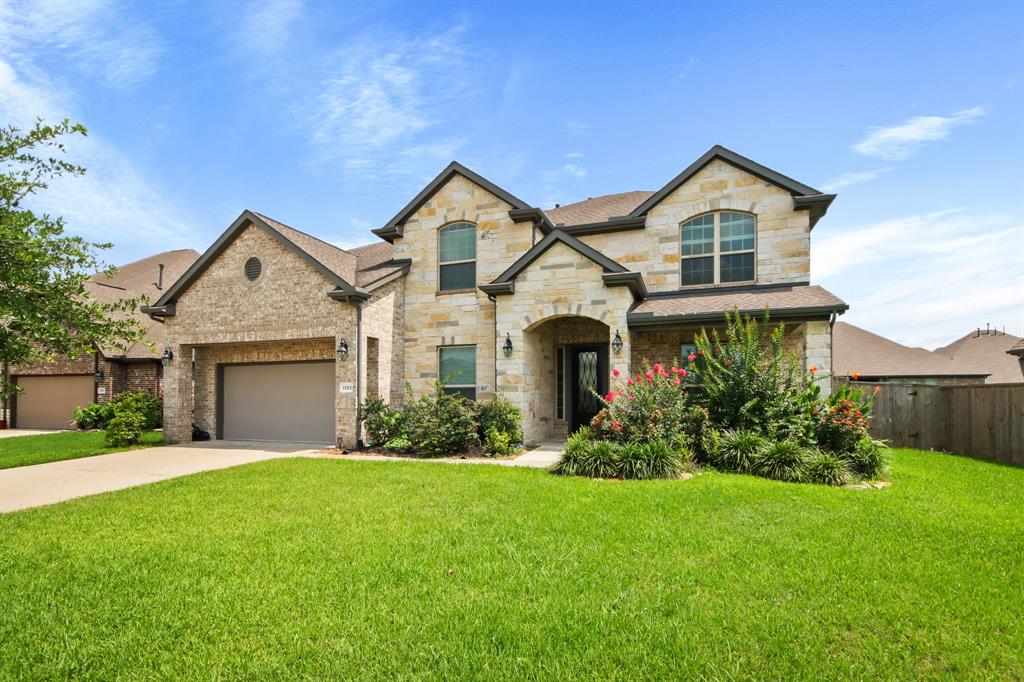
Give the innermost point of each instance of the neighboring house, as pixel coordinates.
(50, 391)
(860, 355)
(987, 350)
(1017, 351)
(276, 335)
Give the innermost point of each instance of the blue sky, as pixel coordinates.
(330, 116)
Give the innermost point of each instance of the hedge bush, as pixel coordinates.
(125, 428)
(597, 458)
(94, 416)
(441, 423)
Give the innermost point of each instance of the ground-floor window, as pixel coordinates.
(456, 367)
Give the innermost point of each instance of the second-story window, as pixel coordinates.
(457, 257)
(718, 248)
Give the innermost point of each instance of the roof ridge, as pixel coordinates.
(305, 234)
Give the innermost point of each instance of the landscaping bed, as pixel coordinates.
(327, 568)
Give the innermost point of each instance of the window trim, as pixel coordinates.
(457, 386)
(441, 264)
(717, 253)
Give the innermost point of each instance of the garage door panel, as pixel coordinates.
(291, 402)
(49, 402)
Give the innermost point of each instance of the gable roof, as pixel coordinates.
(871, 355)
(596, 209)
(141, 278)
(1017, 349)
(988, 352)
(337, 265)
(804, 196)
(614, 273)
(393, 229)
(786, 301)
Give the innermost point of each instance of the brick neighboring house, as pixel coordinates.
(275, 334)
(50, 391)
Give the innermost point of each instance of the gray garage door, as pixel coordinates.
(290, 401)
(50, 402)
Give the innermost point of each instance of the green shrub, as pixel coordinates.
(585, 456)
(94, 416)
(868, 459)
(827, 468)
(747, 380)
(737, 451)
(502, 415)
(125, 428)
(498, 443)
(654, 459)
(149, 407)
(843, 420)
(783, 460)
(381, 423)
(441, 423)
(398, 443)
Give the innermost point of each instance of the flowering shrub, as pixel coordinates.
(651, 405)
(842, 419)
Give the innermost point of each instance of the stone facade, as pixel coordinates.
(434, 318)
(783, 240)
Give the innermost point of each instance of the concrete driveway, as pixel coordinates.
(41, 484)
(14, 433)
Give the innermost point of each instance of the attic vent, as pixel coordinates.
(253, 267)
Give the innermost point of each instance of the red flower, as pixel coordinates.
(656, 368)
(856, 375)
(649, 377)
(615, 372)
(610, 396)
(629, 381)
(677, 381)
(682, 372)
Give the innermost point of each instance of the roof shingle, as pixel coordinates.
(701, 305)
(870, 355)
(597, 209)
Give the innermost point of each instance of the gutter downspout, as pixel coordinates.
(494, 300)
(359, 371)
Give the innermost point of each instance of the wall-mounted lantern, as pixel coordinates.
(507, 347)
(98, 376)
(343, 349)
(617, 343)
(167, 356)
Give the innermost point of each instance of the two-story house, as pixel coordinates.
(275, 335)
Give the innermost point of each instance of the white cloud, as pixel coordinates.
(574, 155)
(857, 177)
(576, 128)
(383, 96)
(898, 142)
(266, 25)
(573, 169)
(93, 36)
(113, 201)
(924, 280)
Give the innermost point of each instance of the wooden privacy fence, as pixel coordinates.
(985, 420)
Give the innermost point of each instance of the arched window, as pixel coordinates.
(718, 248)
(457, 257)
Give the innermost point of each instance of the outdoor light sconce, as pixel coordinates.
(508, 345)
(343, 349)
(167, 356)
(617, 343)
(98, 376)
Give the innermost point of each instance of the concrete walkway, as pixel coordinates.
(41, 484)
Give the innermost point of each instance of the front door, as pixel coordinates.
(588, 374)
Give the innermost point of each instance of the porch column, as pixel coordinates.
(818, 352)
(178, 397)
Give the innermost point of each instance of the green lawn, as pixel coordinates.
(20, 451)
(338, 569)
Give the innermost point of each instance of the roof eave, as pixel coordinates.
(389, 233)
(617, 224)
(633, 280)
(816, 204)
(352, 295)
(498, 288)
(533, 215)
(650, 320)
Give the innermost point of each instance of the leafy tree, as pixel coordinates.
(45, 308)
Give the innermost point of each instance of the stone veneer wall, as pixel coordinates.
(560, 283)
(434, 318)
(383, 320)
(288, 302)
(783, 235)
